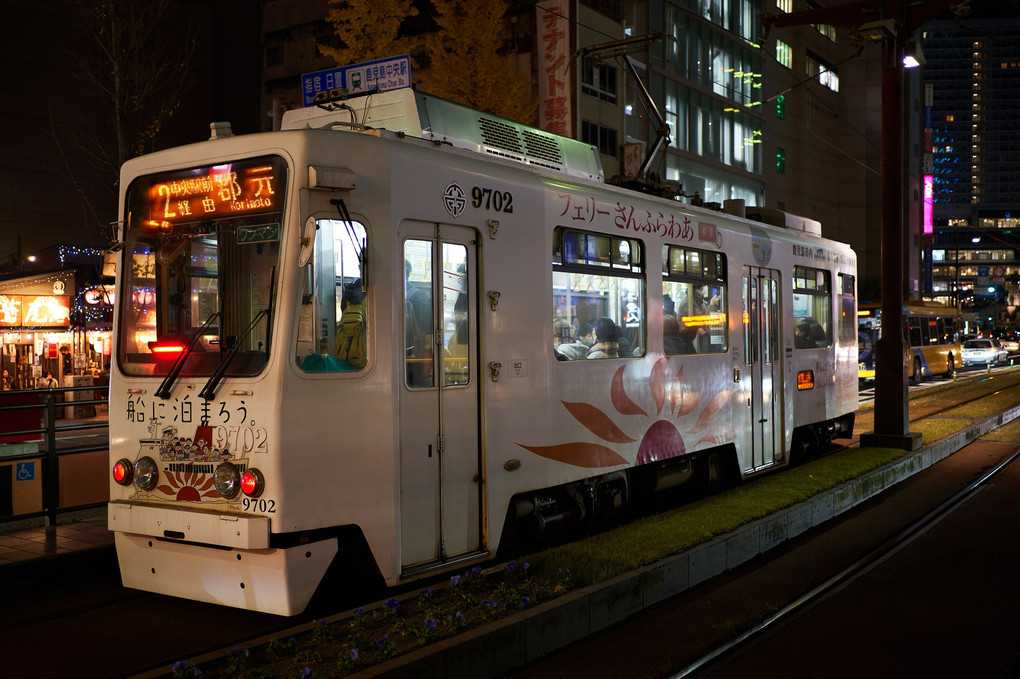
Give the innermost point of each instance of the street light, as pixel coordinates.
(913, 56)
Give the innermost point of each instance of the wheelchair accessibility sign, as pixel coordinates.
(25, 471)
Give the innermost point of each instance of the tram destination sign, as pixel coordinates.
(248, 186)
(381, 74)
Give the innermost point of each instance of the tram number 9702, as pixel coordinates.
(494, 199)
(259, 506)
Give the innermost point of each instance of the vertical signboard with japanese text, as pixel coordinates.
(554, 72)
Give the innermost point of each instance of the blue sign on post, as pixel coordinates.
(25, 471)
(382, 74)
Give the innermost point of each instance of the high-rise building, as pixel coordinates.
(973, 66)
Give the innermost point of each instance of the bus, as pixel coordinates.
(931, 329)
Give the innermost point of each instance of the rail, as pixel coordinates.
(39, 428)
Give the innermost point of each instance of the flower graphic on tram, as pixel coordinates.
(660, 440)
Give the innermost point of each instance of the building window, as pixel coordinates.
(274, 55)
(825, 29)
(780, 160)
(824, 71)
(781, 107)
(784, 54)
(604, 138)
(694, 301)
(598, 296)
(784, 5)
(598, 81)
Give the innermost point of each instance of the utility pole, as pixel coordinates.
(890, 23)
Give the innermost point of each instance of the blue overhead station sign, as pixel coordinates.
(382, 74)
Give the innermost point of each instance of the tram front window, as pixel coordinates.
(201, 260)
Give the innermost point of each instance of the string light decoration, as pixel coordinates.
(65, 252)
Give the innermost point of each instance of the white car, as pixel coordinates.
(1009, 342)
(982, 352)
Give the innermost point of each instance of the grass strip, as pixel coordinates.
(647, 540)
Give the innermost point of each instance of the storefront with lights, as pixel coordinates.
(55, 322)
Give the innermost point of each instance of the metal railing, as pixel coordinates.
(55, 440)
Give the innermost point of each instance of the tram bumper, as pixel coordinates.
(224, 560)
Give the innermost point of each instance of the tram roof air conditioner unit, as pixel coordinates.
(768, 215)
(417, 114)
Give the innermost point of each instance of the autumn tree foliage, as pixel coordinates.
(466, 63)
(368, 30)
(464, 60)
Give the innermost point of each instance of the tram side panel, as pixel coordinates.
(820, 332)
(342, 427)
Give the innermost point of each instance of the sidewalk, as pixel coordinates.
(31, 546)
(24, 543)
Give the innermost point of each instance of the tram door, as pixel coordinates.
(762, 358)
(440, 508)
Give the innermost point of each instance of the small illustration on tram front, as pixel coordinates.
(189, 463)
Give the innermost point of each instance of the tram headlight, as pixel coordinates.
(146, 473)
(227, 480)
(123, 472)
(252, 482)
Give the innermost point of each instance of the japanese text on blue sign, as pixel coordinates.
(380, 75)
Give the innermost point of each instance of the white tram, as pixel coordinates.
(402, 327)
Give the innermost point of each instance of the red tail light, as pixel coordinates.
(252, 482)
(167, 348)
(123, 471)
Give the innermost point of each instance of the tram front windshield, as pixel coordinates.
(200, 268)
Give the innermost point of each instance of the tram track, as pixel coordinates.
(940, 399)
(847, 575)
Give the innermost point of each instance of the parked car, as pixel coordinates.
(1009, 340)
(984, 351)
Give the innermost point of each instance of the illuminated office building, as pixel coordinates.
(974, 69)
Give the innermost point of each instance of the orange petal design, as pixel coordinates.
(716, 439)
(597, 422)
(711, 410)
(688, 402)
(676, 391)
(578, 454)
(657, 383)
(621, 401)
(166, 490)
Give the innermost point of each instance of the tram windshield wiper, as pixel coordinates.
(209, 390)
(166, 386)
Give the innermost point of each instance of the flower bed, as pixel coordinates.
(397, 626)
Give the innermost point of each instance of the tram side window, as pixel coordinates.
(812, 308)
(693, 301)
(333, 323)
(598, 296)
(847, 309)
